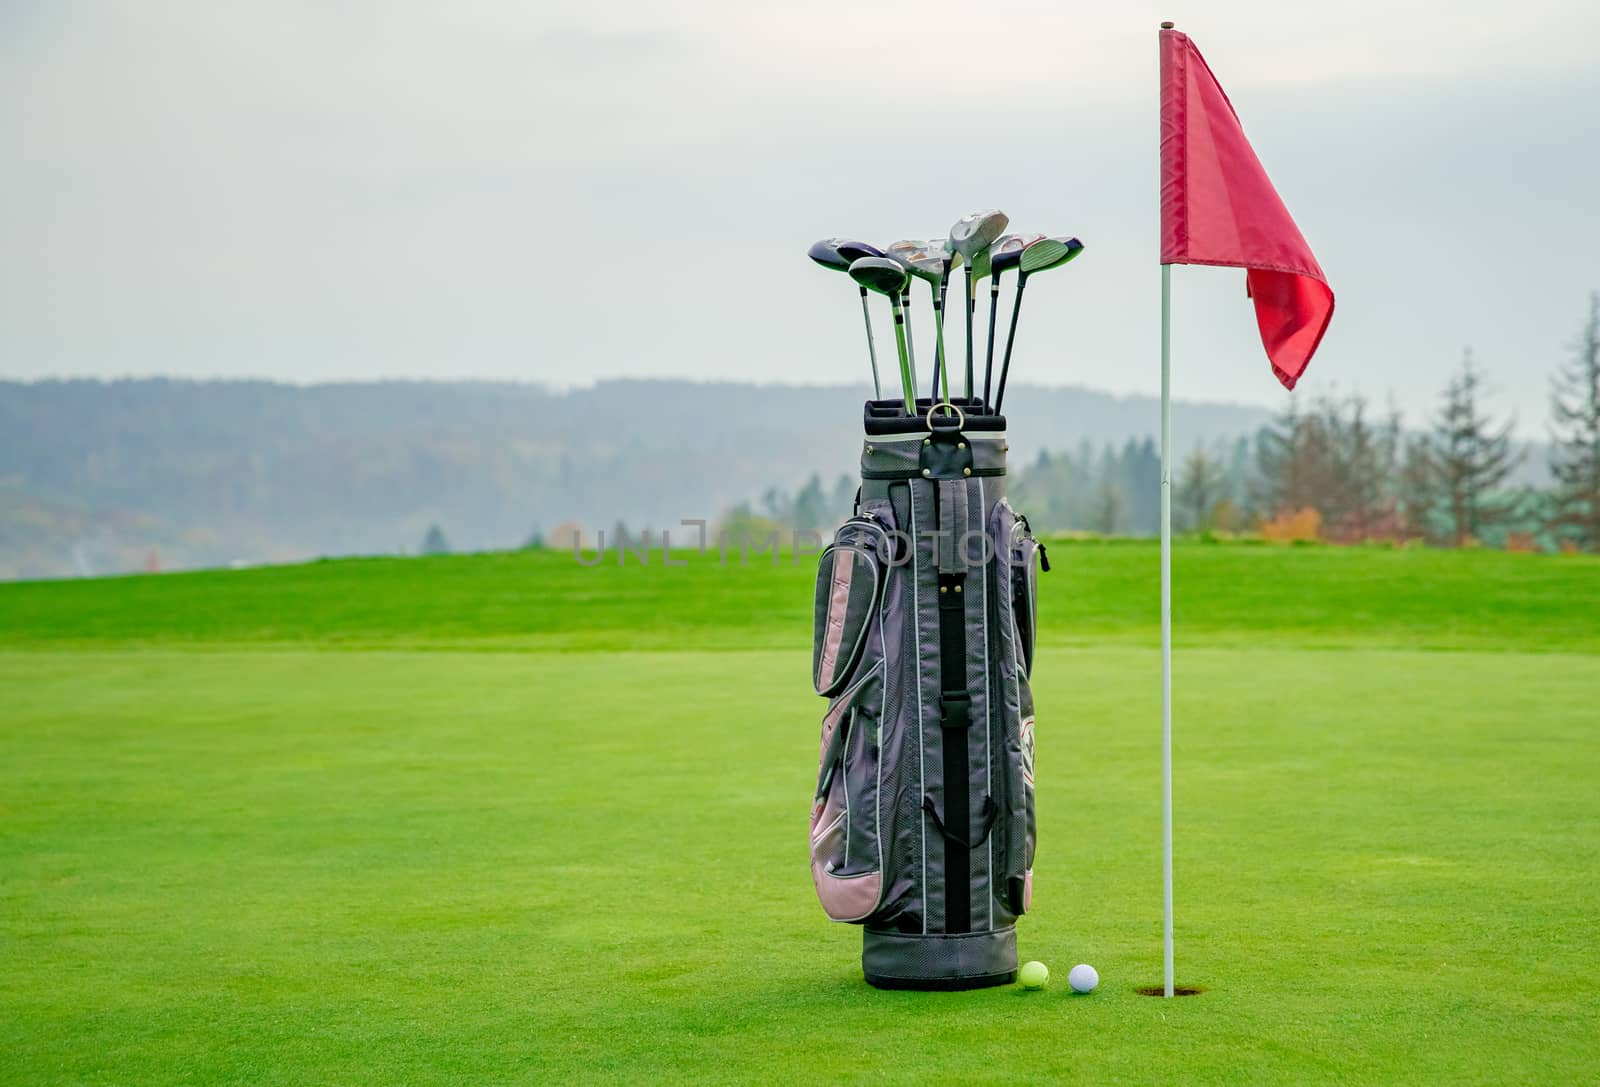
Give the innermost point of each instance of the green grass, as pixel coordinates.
(440, 821)
(1096, 593)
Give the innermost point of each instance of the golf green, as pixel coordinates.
(502, 818)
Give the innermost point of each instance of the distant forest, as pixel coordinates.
(102, 477)
(105, 477)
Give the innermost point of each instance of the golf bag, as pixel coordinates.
(922, 825)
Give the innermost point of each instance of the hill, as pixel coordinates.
(100, 477)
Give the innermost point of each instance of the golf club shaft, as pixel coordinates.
(939, 371)
(1011, 336)
(971, 308)
(872, 350)
(988, 357)
(911, 349)
(907, 389)
(944, 362)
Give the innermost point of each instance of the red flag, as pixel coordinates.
(1219, 207)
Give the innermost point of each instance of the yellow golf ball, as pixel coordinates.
(1034, 975)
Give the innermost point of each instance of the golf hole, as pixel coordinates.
(1177, 990)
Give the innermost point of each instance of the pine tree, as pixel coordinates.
(434, 543)
(1471, 457)
(1575, 437)
(1417, 488)
(810, 506)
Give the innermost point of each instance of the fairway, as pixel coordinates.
(501, 818)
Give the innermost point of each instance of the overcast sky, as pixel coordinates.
(560, 191)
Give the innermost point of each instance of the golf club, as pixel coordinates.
(949, 259)
(885, 276)
(1004, 255)
(929, 262)
(1041, 256)
(838, 253)
(971, 237)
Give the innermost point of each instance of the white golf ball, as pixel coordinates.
(1083, 978)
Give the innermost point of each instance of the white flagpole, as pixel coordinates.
(1166, 621)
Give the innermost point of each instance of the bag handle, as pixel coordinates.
(990, 811)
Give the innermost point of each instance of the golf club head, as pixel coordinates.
(1048, 253)
(1006, 252)
(882, 275)
(972, 236)
(838, 253)
(925, 260)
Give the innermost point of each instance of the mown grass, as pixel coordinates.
(228, 854)
(1096, 592)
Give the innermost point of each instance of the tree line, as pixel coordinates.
(1333, 469)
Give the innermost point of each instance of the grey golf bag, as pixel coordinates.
(922, 826)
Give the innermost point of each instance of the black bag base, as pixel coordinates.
(941, 985)
(938, 961)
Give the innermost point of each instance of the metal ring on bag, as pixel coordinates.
(961, 417)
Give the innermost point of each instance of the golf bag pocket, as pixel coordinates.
(846, 857)
(850, 578)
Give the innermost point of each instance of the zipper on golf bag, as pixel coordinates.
(1015, 581)
(1021, 549)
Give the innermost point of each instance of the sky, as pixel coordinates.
(563, 192)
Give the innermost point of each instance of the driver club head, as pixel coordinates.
(1047, 253)
(1006, 252)
(973, 234)
(880, 274)
(923, 259)
(839, 253)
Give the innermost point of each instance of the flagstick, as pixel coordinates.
(1166, 620)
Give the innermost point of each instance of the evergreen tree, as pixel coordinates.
(434, 542)
(843, 503)
(810, 509)
(1472, 457)
(1575, 437)
(1362, 456)
(1417, 488)
(1139, 476)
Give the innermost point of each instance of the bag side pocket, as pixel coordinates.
(850, 580)
(846, 856)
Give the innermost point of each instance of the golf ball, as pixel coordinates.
(1083, 978)
(1034, 975)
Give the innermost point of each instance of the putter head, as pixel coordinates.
(925, 260)
(880, 274)
(973, 234)
(1006, 252)
(838, 253)
(1048, 253)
